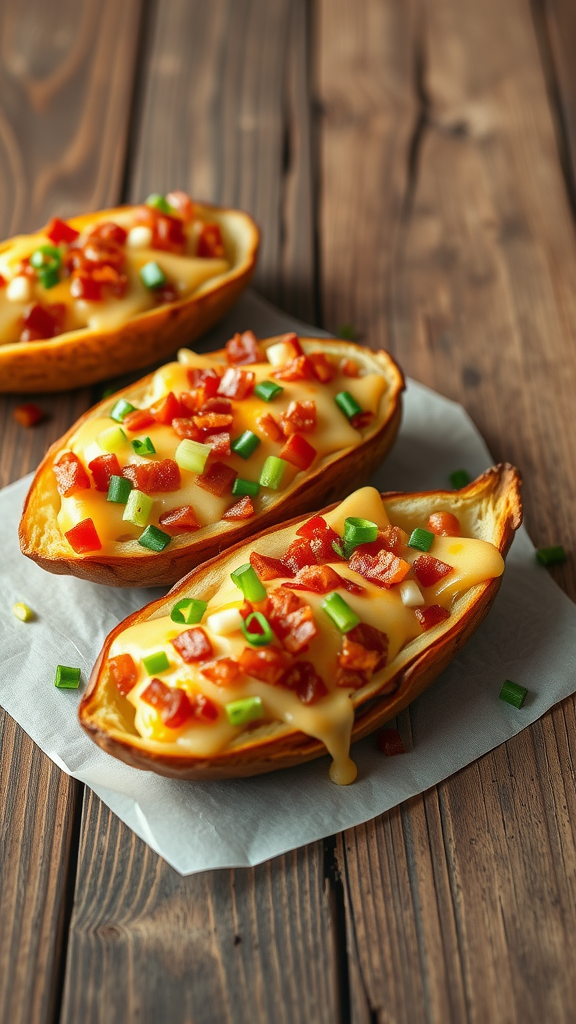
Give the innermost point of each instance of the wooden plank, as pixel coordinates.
(556, 26)
(65, 91)
(220, 946)
(462, 260)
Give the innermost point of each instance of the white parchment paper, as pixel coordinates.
(529, 636)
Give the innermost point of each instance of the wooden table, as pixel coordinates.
(412, 166)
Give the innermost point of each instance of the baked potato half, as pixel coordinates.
(316, 689)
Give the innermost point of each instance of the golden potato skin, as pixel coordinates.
(490, 505)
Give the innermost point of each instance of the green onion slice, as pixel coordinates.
(154, 539)
(120, 410)
(513, 694)
(267, 390)
(189, 610)
(158, 201)
(551, 556)
(192, 455)
(49, 277)
(67, 678)
(241, 712)
(138, 508)
(23, 612)
(245, 444)
(46, 257)
(347, 404)
(358, 531)
(421, 539)
(119, 489)
(342, 615)
(152, 275)
(241, 487)
(257, 639)
(144, 447)
(459, 478)
(272, 472)
(112, 439)
(246, 579)
(155, 663)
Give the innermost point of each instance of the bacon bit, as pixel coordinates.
(321, 537)
(383, 569)
(28, 415)
(429, 570)
(108, 231)
(102, 468)
(3, 281)
(392, 538)
(83, 537)
(137, 420)
(243, 509)
(218, 479)
(167, 293)
(266, 663)
(351, 679)
(207, 377)
(59, 231)
(298, 452)
(182, 518)
(362, 419)
(299, 368)
(171, 702)
(322, 366)
(204, 708)
(293, 341)
(217, 405)
(154, 477)
(123, 672)
(214, 422)
(268, 426)
(431, 616)
(42, 322)
(236, 383)
(299, 418)
(222, 672)
(181, 202)
(304, 680)
(301, 630)
(167, 232)
(192, 401)
(242, 349)
(280, 604)
(193, 645)
(166, 409)
(298, 555)
(210, 244)
(70, 475)
(354, 656)
(83, 286)
(444, 524)
(350, 368)
(390, 742)
(318, 579)
(372, 639)
(268, 568)
(185, 427)
(219, 443)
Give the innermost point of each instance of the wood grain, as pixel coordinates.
(556, 26)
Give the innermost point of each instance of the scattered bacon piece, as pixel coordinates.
(102, 468)
(108, 231)
(193, 645)
(236, 383)
(59, 231)
(355, 656)
(3, 281)
(217, 405)
(210, 244)
(167, 232)
(390, 742)
(322, 366)
(171, 702)
(166, 409)
(123, 672)
(266, 663)
(298, 555)
(383, 569)
(243, 509)
(185, 427)
(431, 616)
(372, 639)
(40, 322)
(268, 568)
(223, 671)
(242, 349)
(429, 570)
(362, 419)
(214, 422)
(301, 630)
(292, 340)
(299, 368)
(298, 452)
(280, 604)
(303, 678)
(218, 479)
(70, 475)
(444, 524)
(299, 418)
(391, 538)
(192, 401)
(207, 377)
(321, 536)
(28, 415)
(350, 678)
(84, 286)
(83, 537)
(268, 426)
(182, 518)
(166, 293)
(181, 202)
(154, 477)
(318, 579)
(350, 368)
(137, 420)
(219, 443)
(204, 708)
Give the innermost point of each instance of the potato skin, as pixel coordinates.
(78, 358)
(496, 493)
(335, 477)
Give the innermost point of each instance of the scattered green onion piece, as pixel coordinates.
(267, 390)
(158, 201)
(246, 444)
(154, 539)
(245, 577)
(112, 439)
(23, 612)
(358, 531)
(152, 275)
(192, 455)
(340, 548)
(257, 639)
(347, 404)
(119, 489)
(241, 487)
(421, 539)
(155, 663)
(513, 694)
(108, 392)
(241, 712)
(272, 472)
(189, 610)
(342, 615)
(49, 277)
(138, 508)
(551, 556)
(120, 411)
(67, 678)
(144, 447)
(348, 332)
(46, 257)
(459, 478)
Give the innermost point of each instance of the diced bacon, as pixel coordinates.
(166, 409)
(350, 368)
(362, 419)
(3, 281)
(210, 244)
(298, 555)
(207, 377)
(322, 538)
(351, 678)
(185, 427)
(243, 509)
(216, 405)
(28, 415)
(218, 479)
(59, 231)
(292, 343)
(299, 418)
(154, 477)
(269, 427)
(137, 420)
(280, 604)
(181, 202)
(214, 422)
(383, 569)
(391, 538)
(390, 742)
(83, 537)
(108, 231)
(222, 672)
(193, 645)
(355, 656)
(70, 475)
(318, 579)
(192, 401)
(322, 366)
(268, 568)
(204, 708)
(182, 518)
(41, 322)
(431, 616)
(123, 672)
(304, 680)
(372, 639)
(242, 349)
(237, 383)
(301, 630)
(266, 663)
(429, 570)
(299, 368)
(171, 702)
(298, 452)
(167, 232)
(102, 468)
(219, 443)
(444, 524)
(166, 293)
(84, 286)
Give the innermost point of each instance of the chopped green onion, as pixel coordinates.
(157, 662)
(358, 531)
(152, 275)
(348, 332)
(551, 556)
(513, 694)
(339, 548)
(241, 487)
(108, 392)
(459, 478)
(46, 257)
(23, 612)
(189, 610)
(158, 201)
(267, 390)
(347, 404)
(49, 277)
(119, 489)
(421, 539)
(245, 577)
(138, 508)
(272, 472)
(192, 455)
(245, 444)
(112, 439)
(257, 639)
(120, 411)
(245, 710)
(342, 615)
(154, 539)
(144, 447)
(67, 678)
